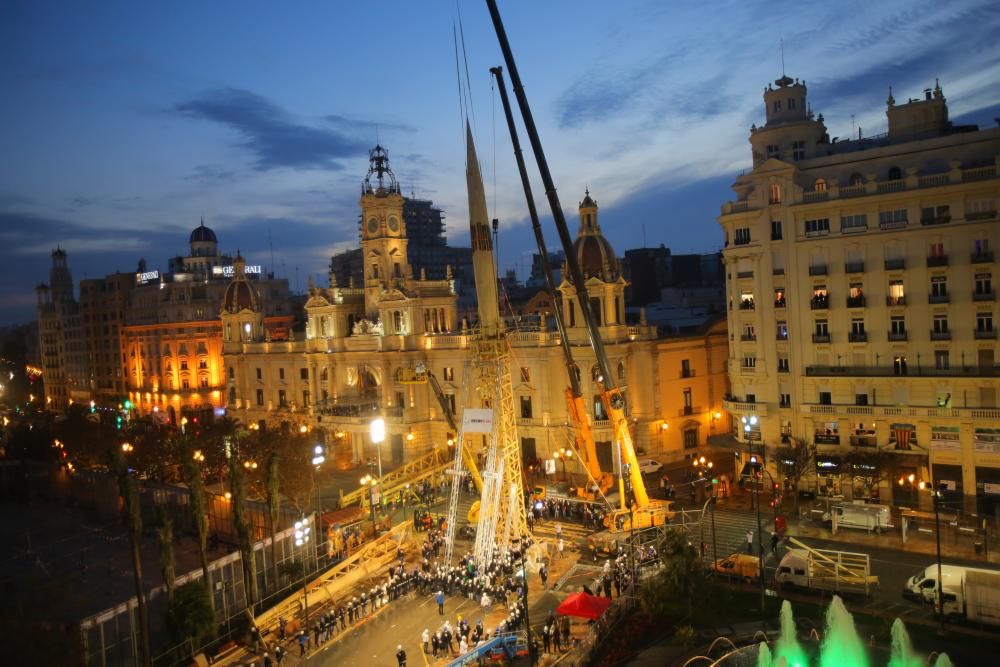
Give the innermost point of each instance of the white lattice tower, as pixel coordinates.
(456, 476)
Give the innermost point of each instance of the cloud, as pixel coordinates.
(274, 138)
(358, 125)
(207, 173)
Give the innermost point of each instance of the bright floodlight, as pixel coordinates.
(318, 449)
(378, 430)
(753, 419)
(743, 419)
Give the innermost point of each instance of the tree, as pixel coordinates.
(683, 575)
(199, 511)
(273, 493)
(165, 531)
(132, 515)
(190, 617)
(244, 531)
(868, 465)
(794, 461)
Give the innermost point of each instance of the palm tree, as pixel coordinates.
(196, 489)
(273, 507)
(244, 532)
(165, 531)
(132, 515)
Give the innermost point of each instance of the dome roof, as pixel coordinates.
(239, 293)
(593, 252)
(203, 234)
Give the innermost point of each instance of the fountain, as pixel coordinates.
(840, 647)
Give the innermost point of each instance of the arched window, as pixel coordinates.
(775, 193)
(374, 270)
(397, 321)
(396, 271)
(621, 370)
(820, 185)
(895, 173)
(856, 179)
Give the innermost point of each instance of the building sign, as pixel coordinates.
(477, 420)
(228, 271)
(945, 438)
(991, 488)
(987, 440)
(146, 277)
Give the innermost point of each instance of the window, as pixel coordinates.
(784, 400)
(260, 397)
(776, 230)
(897, 296)
(688, 405)
(282, 398)
(822, 329)
(749, 361)
(941, 361)
(773, 150)
(779, 297)
(984, 283)
(775, 193)
(855, 295)
(984, 322)
(232, 373)
(820, 185)
(686, 368)
(600, 414)
(776, 106)
(853, 223)
(856, 179)
(303, 373)
(940, 324)
(281, 373)
(184, 365)
(939, 287)
(185, 384)
(899, 364)
(825, 398)
(203, 382)
(860, 399)
(746, 300)
(980, 209)
(935, 250)
(690, 438)
(820, 296)
(305, 398)
(782, 330)
(375, 271)
(791, 102)
(748, 332)
(892, 219)
(935, 215)
(526, 407)
(895, 173)
(525, 374)
(817, 227)
(798, 150)
(897, 325)
(621, 370)
(857, 326)
(741, 236)
(260, 376)
(449, 374)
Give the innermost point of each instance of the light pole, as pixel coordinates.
(748, 424)
(937, 494)
(563, 454)
(317, 460)
(378, 435)
(302, 535)
(370, 482)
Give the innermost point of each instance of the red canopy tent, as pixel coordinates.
(583, 606)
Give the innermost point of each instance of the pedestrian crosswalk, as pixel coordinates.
(730, 533)
(574, 535)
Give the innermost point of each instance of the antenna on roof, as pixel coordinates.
(782, 42)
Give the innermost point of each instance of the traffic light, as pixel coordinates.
(128, 404)
(118, 422)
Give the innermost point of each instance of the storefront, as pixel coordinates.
(826, 433)
(988, 491)
(948, 478)
(828, 475)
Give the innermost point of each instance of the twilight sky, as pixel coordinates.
(125, 122)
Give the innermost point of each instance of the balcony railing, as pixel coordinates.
(936, 220)
(983, 257)
(895, 264)
(857, 337)
(940, 335)
(819, 302)
(895, 300)
(854, 267)
(937, 260)
(817, 270)
(781, 335)
(984, 296)
(986, 335)
(890, 371)
(778, 271)
(744, 274)
(856, 301)
(980, 215)
(821, 338)
(897, 335)
(938, 298)
(746, 304)
(747, 338)
(734, 405)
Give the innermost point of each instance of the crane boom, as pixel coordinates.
(611, 395)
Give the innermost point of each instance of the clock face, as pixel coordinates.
(372, 225)
(394, 224)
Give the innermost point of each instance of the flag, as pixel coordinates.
(902, 436)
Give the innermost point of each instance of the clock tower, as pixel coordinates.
(383, 231)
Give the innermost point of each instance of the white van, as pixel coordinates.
(923, 585)
(874, 518)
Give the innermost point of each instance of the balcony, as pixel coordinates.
(940, 335)
(980, 215)
(984, 296)
(777, 272)
(896, 336)
(856, 301)
(821, 338)
(937, 260)
(748, 338)
(732, 405)
(889, 371)
(819, 302)
(779, 303)
(858, 337)
(936, 220)
(744, 274)
(895, 300)
(982, 257)
(781, 335)
(937, 298)
(895, 264)
(687, 410)
(854, 267)
(817, 270)
(986, 335)
(687, 372)
(746, 304)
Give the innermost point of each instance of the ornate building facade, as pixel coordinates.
(861, 305)
(367, 348)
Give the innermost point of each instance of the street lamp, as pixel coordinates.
(378, 435)
(748, 423)
(127, 448)
(318, 458)
(938, 496)
(370, 482)
(302, 535)
(563, 453)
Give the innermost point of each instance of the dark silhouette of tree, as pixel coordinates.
(132, 515)
(244, 531)
(273, 494)
(794, 461)
(165, 531)
(190, 617)
(191, 471)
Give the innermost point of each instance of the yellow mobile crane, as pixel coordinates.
(638, 510)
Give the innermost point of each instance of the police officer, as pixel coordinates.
(401, 656)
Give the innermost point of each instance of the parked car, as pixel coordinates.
(740, 566)
(649, 466)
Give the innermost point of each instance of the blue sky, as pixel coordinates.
(123, 123)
